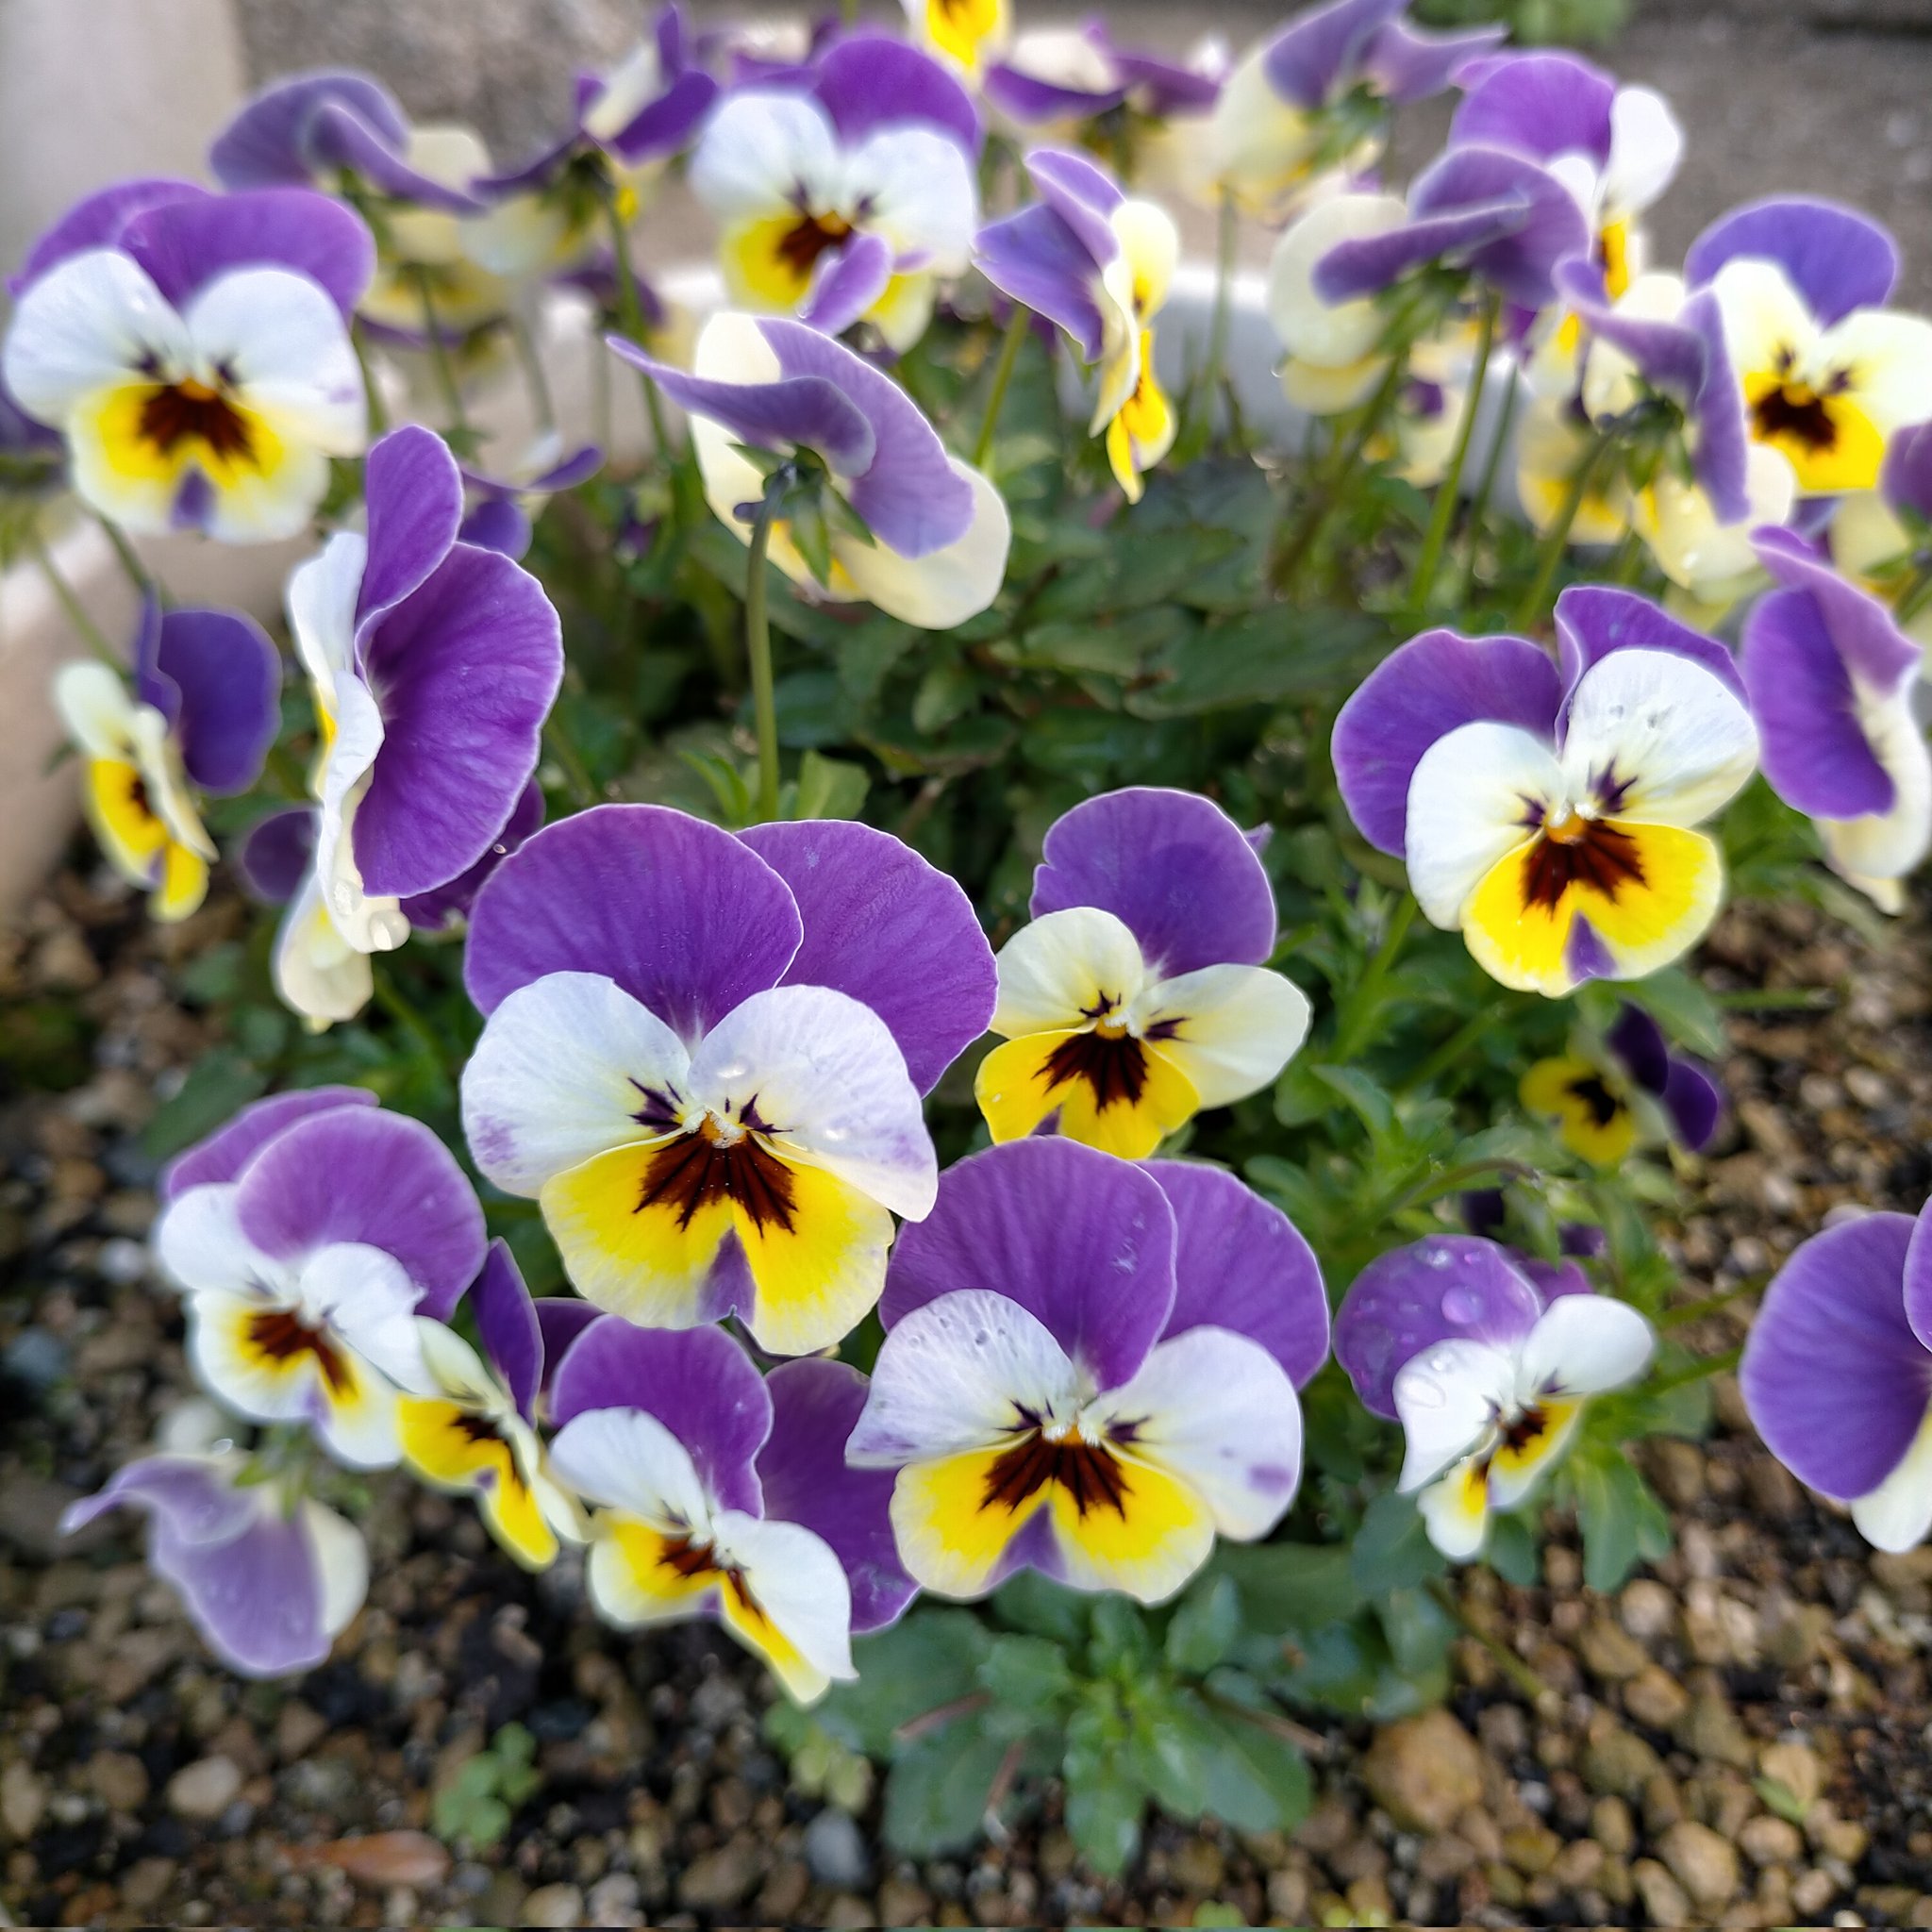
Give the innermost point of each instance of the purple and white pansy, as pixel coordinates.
(1055, 79)
(1089, 1369)
(704, 1056)
(845, 195)
(919, 533)
(306, 1237)
(1836, 1375)
(1138, 994)
(1487, 1372)
(1832, 680)
(1550, 813)
(1878, 537)
(194, 350)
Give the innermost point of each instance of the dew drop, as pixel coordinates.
(1425, 1395)
(1461, 1305)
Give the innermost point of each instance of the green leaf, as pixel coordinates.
(1037, 1604)
(1203, 1630)
(1288, 1587)
(218, 1084)
(1418, 1631)
(1366, 1098)
(1026, 1672)
(1104, 1796)
(1512, 1551)
(947, 689)
(1256, 1780)
(1684, 1009)
(829, 788)
(928, 1661)
(937, 1788)
(1619, 1514)
(1393, 1549)
(1120, 1633)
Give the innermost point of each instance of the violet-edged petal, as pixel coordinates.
(866, 81)
(1034, 100)
(1876, 653)
(1320, 50)
(1163, 87)
(441, 906)
(1172, 866)
(1583, 1344)
(1541, 104)
(1669, 354)
(560, 1319)
(846, 283)
(697, 1382)
(1404, 64)
(1084, 1243)
(230, 1148)
(1596, 621)
(185, 245)
(1082, 193)
(663, 125)
(1039, 261)
(1695, 1101)
(217, 678)
(806, 1478)
(1443, 1287)
(1241, 1264)
(1421, 692)
(356, 1175)
(414, 492)
(1838, 259)
(465, 672)
(507, 1327)
(98, 221)
(277, 854)
(1834, 1377)
(1906, 480)
(684, 918)
(499, 523)
(889, 930)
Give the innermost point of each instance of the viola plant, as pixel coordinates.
(855, 979)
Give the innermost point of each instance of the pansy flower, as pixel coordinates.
(307, 1235)
(704, 1056)
(194, 349)
(1829, 372)
(1488, 1375)
(1596, 1096)
(476, 1435)
(1879, 537)
(721, 1494)
(1139, 995)
(1550, 813)
(903, 525)
(847, 201)
(432, 664)
(1057, 80)
(1098, 263)
(269, 1580)
(1315, 96)
(1089, 1369)
(1831, 679)
(502, 506)
(963, 33)
(1836, 1375)
(203, 713)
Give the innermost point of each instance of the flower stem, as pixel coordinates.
(371, 388)
(758, 648)
(439, 353)
(1450, 489)
(135, 571)
(1486, 484)
(1692, 1311)
(1226, 234)
(92, 634)
(1300, 539)
(531, 363)
(630, 310)
(1451, 1180)
(576, 775)
(1512, 1666)
(1002, 376)
(1557, 536)
(1484, 1020)
(1359, 1009)
(1697, 1372)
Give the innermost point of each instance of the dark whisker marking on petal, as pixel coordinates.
(702, 1169)
(1602, 1105)
(1796, 412)
(192, 412)
(661, 1109)
(1114, 1065)
(1587, 852)
(1087, 1472)
(280, 1333)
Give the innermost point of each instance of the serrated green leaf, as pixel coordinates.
(937, 1788)
(829, 788)
(1203, 1629)
(922, 1664)
(1028, 1673)
(1619, 1515)
(1037, 1604)
(219, 1084)
(1393, 1550)
(1291, 1587)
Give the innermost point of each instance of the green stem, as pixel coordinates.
(1450, 489)
(407, 1015)
(439, 353)
(1557, 536)
(379, 409)
(1458, 1044)
(1697, 1372)
(132, 568)
(1512, 1666)
(532, 365)
(1432, 1186)
(1694, 1311)
(1486, 483)
(1300, 540)
(576, 775)
(758, 650)
(1309, 1743)
(1359, 1010)
(1002, 375)
(630, 310)
(1918, 593)
(92, 634)
(286, 772)
(1226, 234)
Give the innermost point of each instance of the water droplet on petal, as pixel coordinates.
(1461, 1305)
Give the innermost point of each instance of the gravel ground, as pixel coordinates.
(1742, 1736)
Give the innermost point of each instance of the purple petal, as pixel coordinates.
(1032, 102)
(1320, 52)
(797, 412)
(560, 1319)
(1082, 193)
(464, 672)
(500, 525)
(910, 496)
(1834, 1378)
(537, 173)
(266, 144)
(687, 919)
(869, 80)
(1243, 1264)
(98, 221)
(1695, 1101)
(1878, 654)
(846, 282)
(1585, 956)
(1422, 692)
(507, 1327)
(1160, 88)
(1172, 866)
(891, 930)
(696, 1381)
(440, 908)
(1638, 1042)
(1443, 1286)
(227, 676)
(1083, 1242)
(274, 857)
(185, 245)
(1552, 1280)
(662, 126)
(1721, 458)
(1836, 257)
(229, 1149)
(1917, 1283)
(1579, 1238)
(1540, 105)
(361, 1175)
(415, 496)
(802, 1471)
(1037, 259)
(1595, 620)
(1906, 477)
(1669, 354)
(1406, 65)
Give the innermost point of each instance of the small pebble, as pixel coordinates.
(205, 1789)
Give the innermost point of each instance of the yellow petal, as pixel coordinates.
(1117, 1093)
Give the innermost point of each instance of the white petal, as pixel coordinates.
(1234, 1027)
(1324, 392)
(1448, 1397)
(1151, 247)
(455, 1368)
(199, 1243)
(763, 152)
(628, 1460)
(97, 709)
(1472, 798)
(1896, 1515)
(320, 601)
(364, 1295)
(955, 1376)
(369, 925)
(1583, 1344)
(519, 236)
(317, 973)
(1217, 1410)
(168, 796)
(946, 587)
(801, 1590)
(1330, 334)
(284, 346)
(1646, 146)
(628, 89)
(1885, 359)
(563, 1069)
(90, 322)
(917, 190)
(1765, 318)
(1677, 740)
(1064, 970)
(829, 1078)
(1866, 532)
(342, 1560)
(1677, 520)
(1455, 1513)
(232, 1370)
(1887, 845)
